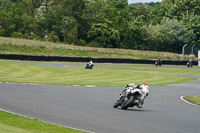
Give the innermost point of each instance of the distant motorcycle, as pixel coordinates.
(128, 98)
(157, 63)
(89, 66)
(189, 64)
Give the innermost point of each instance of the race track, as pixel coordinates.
(90, 108)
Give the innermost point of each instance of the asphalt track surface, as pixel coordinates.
(90, 108)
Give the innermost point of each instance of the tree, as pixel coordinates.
(104, 34)
(182, 7)
(134, 35)
(78, 10)
(119, 4)
(71, 36)
(143, 11)
(191, 21)
(163, 9)
(170, 36)
(10, 19)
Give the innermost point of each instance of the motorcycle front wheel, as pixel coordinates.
(116, 105)
(127, 103)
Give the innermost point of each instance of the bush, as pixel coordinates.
(17, 35)
(82, 42)
(94, 44)
(52, 37)
(71, 37)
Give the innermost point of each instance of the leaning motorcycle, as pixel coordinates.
(128, 98)
(189, 64)
(158, 64)
(89, 66)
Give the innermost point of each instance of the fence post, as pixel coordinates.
(193, 48)
(183, 51)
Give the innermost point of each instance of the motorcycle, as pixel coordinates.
(89, 66)
(158, 64)
(128, 98)
(189, 64)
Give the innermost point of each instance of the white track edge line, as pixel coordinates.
(45, 121)
(182, 98)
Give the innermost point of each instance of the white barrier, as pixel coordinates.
(199, 57)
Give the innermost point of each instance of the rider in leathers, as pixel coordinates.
(145, 92)
(90, 63)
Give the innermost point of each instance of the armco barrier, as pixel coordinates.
(87, 59)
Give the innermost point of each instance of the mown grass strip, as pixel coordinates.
(12, 123)
(11, 71)
(17, 72)
(193, 99)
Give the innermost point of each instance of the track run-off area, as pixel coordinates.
(90, 108)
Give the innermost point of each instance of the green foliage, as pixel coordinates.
(134, 35)
(103, 23)
(184, 6)
(78, 10)
(52, 37)
(104, 34)
(170, 35)
(161, 10)
(143, 10)
(191, 21)
(17, 35)
(82, 42)
(71, 36)
(119, 4)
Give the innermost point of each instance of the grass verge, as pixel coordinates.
(30, 47)
(119, 76)
(11, 123)
(193, 99)
(15, 72)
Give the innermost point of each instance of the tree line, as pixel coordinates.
(161, 26)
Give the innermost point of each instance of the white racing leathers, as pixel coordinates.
(132, 96)
(144, 93)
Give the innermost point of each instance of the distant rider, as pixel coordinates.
(159, 62)
(90, 63)
(145, 92)
(190, 63)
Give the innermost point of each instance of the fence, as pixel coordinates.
(87, 59)
(191, 51)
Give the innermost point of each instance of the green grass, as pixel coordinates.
(30, 47)
(11, 123)
(193, 99)
(11, 71)
(17, 72)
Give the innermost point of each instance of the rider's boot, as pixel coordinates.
(138, 104)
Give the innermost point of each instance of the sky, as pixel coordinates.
(142, 1)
